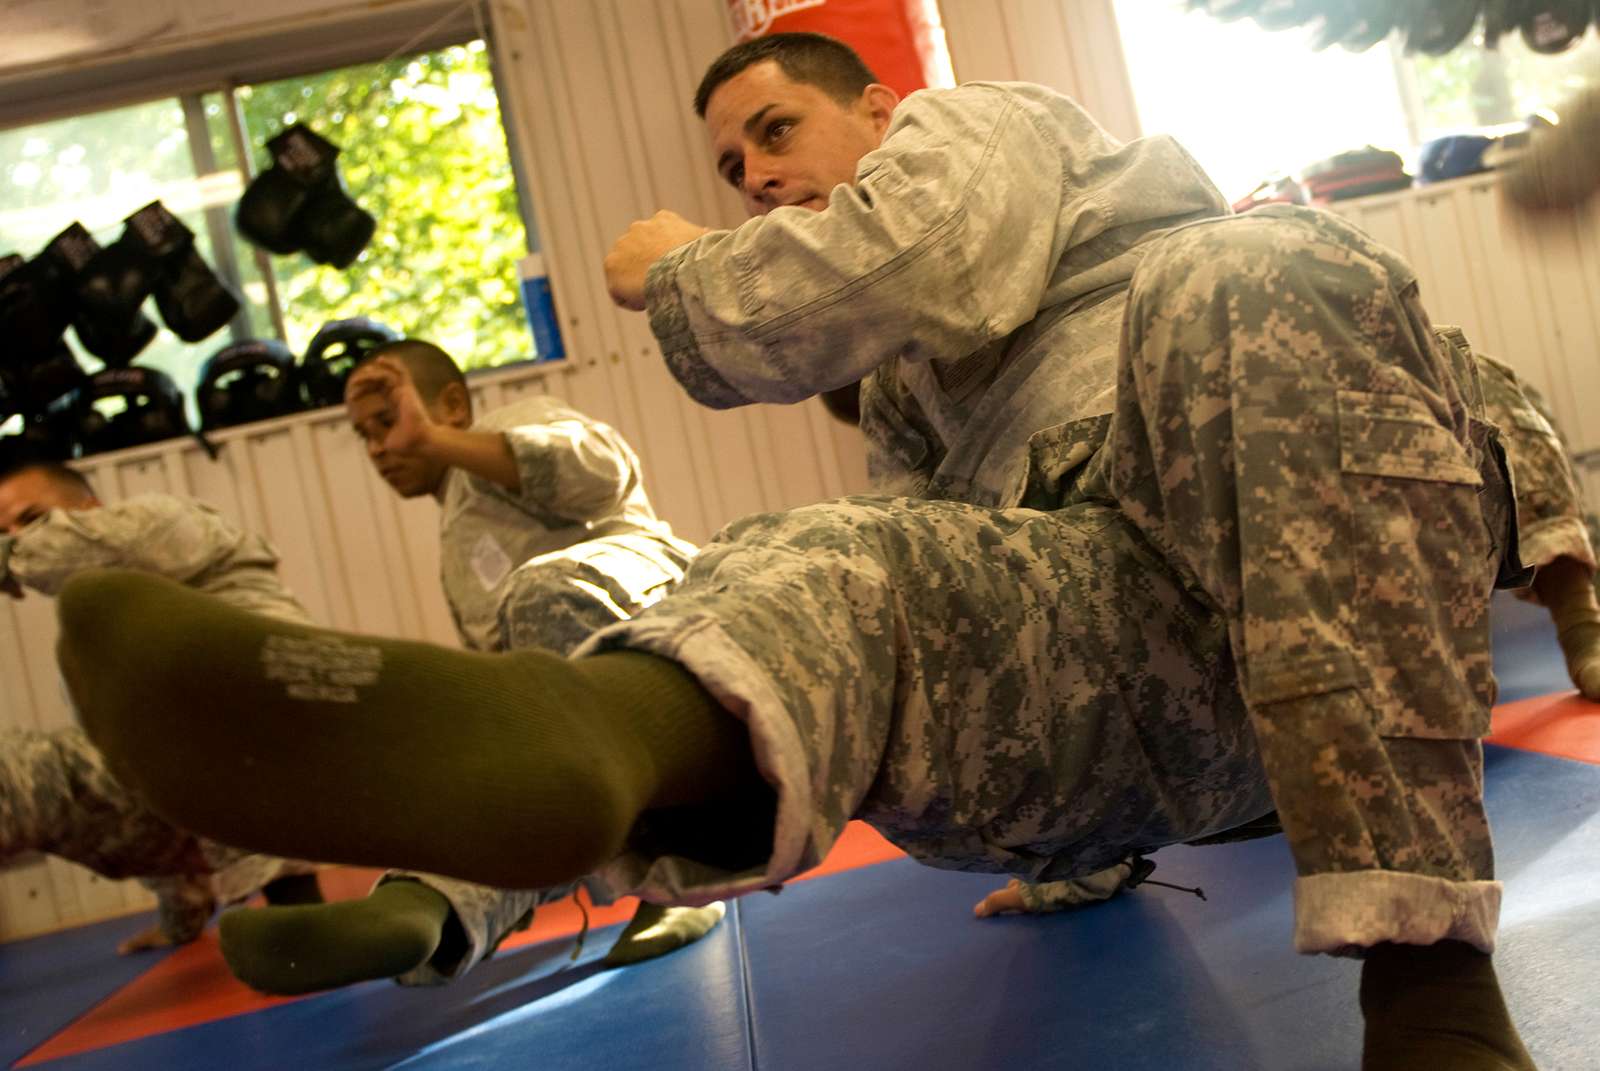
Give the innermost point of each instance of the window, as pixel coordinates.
(1249, 103)
(98, 168)
(422, 150)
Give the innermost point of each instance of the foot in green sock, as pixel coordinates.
(288, 950)
(1566, 586)
(1436, 1006)
(657, 930)
(523, 770)
(1580, 643)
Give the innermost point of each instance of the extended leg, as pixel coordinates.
(522, 770)
(999, 690)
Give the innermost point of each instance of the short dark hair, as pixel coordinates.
(62, 476)
(812, 58)
(431, 368)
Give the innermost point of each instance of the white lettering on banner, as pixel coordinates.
(752, 18)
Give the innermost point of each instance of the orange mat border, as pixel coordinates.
(1563, 724)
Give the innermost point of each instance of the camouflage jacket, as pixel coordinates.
(972, 276)
(580, 481)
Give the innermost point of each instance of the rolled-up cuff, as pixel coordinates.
(1051, 896)
(1344, 913)
(486, 916)
(800, 837)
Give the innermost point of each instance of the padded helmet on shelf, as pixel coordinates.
(247, 381)
(335, 350)
(150, 410)
(46, 435)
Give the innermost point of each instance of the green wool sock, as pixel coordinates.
(657, 930)
(287, 950)
(1580, 644)
(1566, 587)
(1439, 1005)
(521, 770)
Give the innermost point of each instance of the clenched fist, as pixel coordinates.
(641, 245)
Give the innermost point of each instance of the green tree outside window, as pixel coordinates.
(423, 150)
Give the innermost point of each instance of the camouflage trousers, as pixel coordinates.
(557, 600)
(1551, 523)
(554, 601)
(1262, 581)
(57, 797)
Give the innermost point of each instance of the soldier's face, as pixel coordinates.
(781, 142)
(29, 495)
(372, 416)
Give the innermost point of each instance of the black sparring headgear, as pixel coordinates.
(46, 435)
(335, 350)
(247, 381)
(153, 410)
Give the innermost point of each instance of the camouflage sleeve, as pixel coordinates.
(159, 534)
(183, 904)
(939, 247)
(572, 467)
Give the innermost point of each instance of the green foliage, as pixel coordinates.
(1473, 86)
(423, 150)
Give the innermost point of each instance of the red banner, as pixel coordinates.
(881, 31)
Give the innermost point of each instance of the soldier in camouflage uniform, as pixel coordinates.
(1210, 525)
(1259, 402)
(556, 542)
(56, 795)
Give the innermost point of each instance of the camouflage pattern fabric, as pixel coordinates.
(1051, 896)
(556, 600)
(1550, 517)
(998, 690)
(973, 279)
(1551, 520)
(177, 538)
(1267, 567)
(56, 795)
(1298, 444)
(580, 482)
(487, 917)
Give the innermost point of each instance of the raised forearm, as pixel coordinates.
(484, 454)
